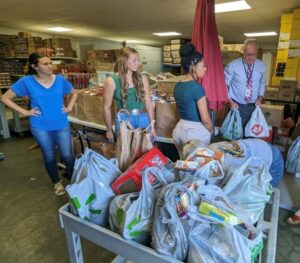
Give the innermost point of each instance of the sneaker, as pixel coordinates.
(59, 189)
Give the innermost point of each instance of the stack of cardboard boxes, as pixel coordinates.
(231, 52)
(12, 66)
(25, 44)
(171, 52)
(288, 91)
(101, 60)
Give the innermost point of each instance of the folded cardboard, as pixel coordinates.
(273, 114)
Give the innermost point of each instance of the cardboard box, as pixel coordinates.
(24, 34)
(233, 47)
(175, 47)
(167, 86)
(167, 60)
(294, 53)
(107, 56)
(167, 48)
(287, 90)
(175, 54)
(273, 114)
(295, 43)
(176, 61)
(271, 93)
(178, 41)
(167, 54)
(284, 36)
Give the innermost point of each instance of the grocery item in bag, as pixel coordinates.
(232, 128)
(130, 180)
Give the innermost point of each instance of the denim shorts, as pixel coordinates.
(137, 120)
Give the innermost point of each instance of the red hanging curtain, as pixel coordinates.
(205, 38)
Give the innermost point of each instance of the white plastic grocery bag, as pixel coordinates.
(168, 234)
(249, 187)
(131, 214)
(293, 157)
(257, 125)
(215, 243)
(232, 128)
(90, 192)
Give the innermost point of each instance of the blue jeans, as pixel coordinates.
(47, 141)
(137, 121)
(277, 166)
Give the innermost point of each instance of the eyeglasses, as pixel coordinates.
(250, 54)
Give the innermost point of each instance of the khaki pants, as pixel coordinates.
(189, 130)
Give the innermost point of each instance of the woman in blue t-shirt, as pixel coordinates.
(195, 122)
(47, 113)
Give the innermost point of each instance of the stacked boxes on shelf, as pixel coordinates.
(6, 46)
(62, 47)
(12, 66)
(26, 44)
(101, 60)
(171, 52)
(5, 79)
(167, 58)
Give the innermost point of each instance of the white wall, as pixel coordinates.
(267, 59)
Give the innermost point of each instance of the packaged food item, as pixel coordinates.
(221, 215)
(131, 180)
(182, 203)
(205, 152)
(187, 165)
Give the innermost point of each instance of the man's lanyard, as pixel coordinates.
(251, 70)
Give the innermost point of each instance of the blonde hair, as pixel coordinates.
(121, 67)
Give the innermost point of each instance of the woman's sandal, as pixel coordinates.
(59, 189)
(294, 220)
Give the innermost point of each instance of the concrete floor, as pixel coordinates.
(29, 225)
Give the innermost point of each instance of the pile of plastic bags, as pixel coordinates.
(191, 210)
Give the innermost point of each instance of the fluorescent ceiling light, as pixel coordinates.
(260, 34)
(59, 29)
(165, 34)
(231, 6)
(132, 41)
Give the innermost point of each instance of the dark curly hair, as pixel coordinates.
(189, 57)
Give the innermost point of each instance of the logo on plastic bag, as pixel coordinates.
(257, 129)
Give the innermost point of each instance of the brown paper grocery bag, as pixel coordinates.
(132, 144)
(166, 118)
(124, 142)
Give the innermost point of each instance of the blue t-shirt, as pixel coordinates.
(186, 95)
(48, 101)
